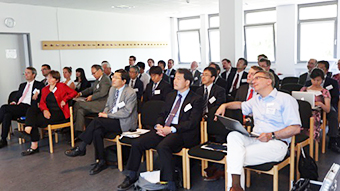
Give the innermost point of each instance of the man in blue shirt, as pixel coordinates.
(276, 120)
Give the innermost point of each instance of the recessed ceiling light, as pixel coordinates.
(122, 7)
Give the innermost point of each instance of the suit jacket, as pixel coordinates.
(167, 79)
(230, 80)
(224, 74)
(36, 85)
(62, 93)
(334, 91)
(127, 114)
(222, 83)
(99, 90)
(127, 68)
(83, 85)
(164, 88)
(111, 75)
(197, 78)
(217, 92)
(44, 82)
(303, 78)
(242, 92)
(138, 88)
(189, 120)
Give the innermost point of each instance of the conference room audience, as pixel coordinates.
(81, 80)
(45, 70)
(228, 69)
(67, 72)
(119, 115)
(237, 78)
(177, 127)
(132, 61)
(107, 69)
(166, 78)
(322, 99)
(276, 118)
(28, 95)
(95, 100)
(157, 89)
(171, 71)
(195, 73)
(311, 64)
(265, 64)
(135, 83)
(151, 63)
(53, 109)
(145, 78)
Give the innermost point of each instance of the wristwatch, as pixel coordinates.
(273, 135)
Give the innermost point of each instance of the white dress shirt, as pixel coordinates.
(27, 99)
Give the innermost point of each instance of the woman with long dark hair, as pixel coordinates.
(81, 81)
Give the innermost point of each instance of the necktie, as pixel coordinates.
(174, 111)
(205, 99)
(235, 83)
(25, 93)
(132, 83)
(154, 88)
(115, 100)
(250, 94)
(168, 72)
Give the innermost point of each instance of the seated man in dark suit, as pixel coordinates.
(166, 78)
(213, 95)
(228, 69)
(332, 117)
(135, 83)
(171, 71)
(265, 64)
(107, 69)
(195, 73)
(96, 97)
(45, 70)
(132, 61)
(28, 95)
(219, 81)
(119, 115)
(177, 127)
(235, 80)
(303, 78)
(157, 89)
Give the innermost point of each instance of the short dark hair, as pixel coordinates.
(266, 60)
(262, 55)
(268, 75)
(47, 66)
(225, 59)
(326, 63)
(33, 70)
(162, 62)
(55, 74)
(245, 62)
(69, 69)
(141, 65)
(317, 72)
(151, 60)
(216, 66)
(187, 74)
(171, 61)
(97, 67)
(124, 74)
(212, 70)
(155, 70)
(133, 57)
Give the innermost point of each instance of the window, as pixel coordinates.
(214, 38)
(317, 32)
(259, 34)
(188, 36)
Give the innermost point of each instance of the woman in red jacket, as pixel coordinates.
(53, 109)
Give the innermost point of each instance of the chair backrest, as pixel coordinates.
(150, 112)
(305, 110)
(290, 80)
(11, 96)
(291, 87)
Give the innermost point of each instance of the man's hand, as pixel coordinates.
(62, 104)
(35, 96)
(159, 129)
(89, 98)
(265, 137)
(47, 114)
(166, 130)
(102, 114)
(78, 95)
(220, 111)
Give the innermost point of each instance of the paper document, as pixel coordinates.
(152, 177)
(80, 99)
(134, 134)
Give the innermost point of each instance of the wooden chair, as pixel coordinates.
(323, 138)
(302, 139)
(52, 127)
(272, 168)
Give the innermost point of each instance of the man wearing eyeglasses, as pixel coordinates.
(45, 70)
(96, 97)
(276, 120)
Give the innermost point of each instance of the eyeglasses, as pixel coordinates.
(258, 77)
(93, 73)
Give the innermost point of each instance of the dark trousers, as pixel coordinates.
(332, 118)
(96, 131)
(8, 113)
(165, 146)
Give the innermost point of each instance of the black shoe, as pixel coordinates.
(334, 147)
(101, 165)
(3, 143)
(22, 135)
(127, 183)
(30, 151)
(75, 151)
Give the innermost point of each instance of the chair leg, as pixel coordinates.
(323, 141)
(56, 137)
(19, 129)
(187, 165)
(276, 179)
(298, 153)
(72, 136)
(291, 173)
(147, 160)
(150, 162)
(204, 165)
(184, 168)
(248, 178)
(225, 174)
(316, 151)
(119, 156)
(50, 138)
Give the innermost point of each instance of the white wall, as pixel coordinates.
(45, 23)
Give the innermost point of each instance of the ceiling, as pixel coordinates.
(166, 8)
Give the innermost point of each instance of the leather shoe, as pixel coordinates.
(127, 183)
(3, 143)
(98, 167)
(75, 151)
(334, 147)
(22, 135)
(210, 170)
(30, 151)
(216, 176)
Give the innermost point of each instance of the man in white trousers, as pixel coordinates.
(276, 120)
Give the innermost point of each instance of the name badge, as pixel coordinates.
(270, 110)
(136, 89)
(35, 91)
(121, 104)
(318, 93)
(270, 104)
(330, 87)
(187, 107)
(54, 89)
(212, 99)
(172, 76)
(243, 80)
(157, 92)
(97, 86)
